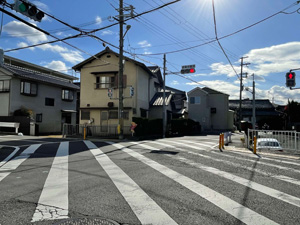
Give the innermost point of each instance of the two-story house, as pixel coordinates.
(50, 95)
(98, 74)
(210, 108)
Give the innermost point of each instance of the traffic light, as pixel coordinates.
(28, 9)
(188, 69)
(290, 79)
(191, 70)
(131, 91)
(110, 92)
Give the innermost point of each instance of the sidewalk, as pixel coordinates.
(237, 145)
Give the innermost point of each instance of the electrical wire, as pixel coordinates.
(216, 32)
(228, 35)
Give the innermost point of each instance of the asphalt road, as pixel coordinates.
(184, 180)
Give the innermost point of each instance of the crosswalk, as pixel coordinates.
(167, 181)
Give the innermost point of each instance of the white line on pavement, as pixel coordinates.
(54, 202)
(235, 209)
(146, 210)
(10, 156)
(14, 163)
(258, 162)
(248, 183)
(279, 177)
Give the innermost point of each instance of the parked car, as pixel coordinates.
(268, 144)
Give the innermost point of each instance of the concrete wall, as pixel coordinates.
(219, 120)
(4, 97)
(200, 112)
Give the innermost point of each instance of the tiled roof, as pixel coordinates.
(157, 99)
(247, 104)
(40, 77)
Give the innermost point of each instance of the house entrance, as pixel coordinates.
(104, 121)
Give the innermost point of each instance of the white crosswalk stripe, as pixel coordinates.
(269, 174)
(235, 209)
(54, 203)
(142, 205)
(16, 162)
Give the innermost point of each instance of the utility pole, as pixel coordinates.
(241, 89)
(253, 106)
(121, 23)
(164, 99)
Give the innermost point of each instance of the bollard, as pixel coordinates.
(223, 140)
(220, 141)
(254, 145)
(84, 133)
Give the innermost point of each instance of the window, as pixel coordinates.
(113, 115)
(126, 115)
(67, 95)
(28, 88)
(4, 85)
(85, 114)
(105, 82)
(195, 100)
(49, 101)
(39, 117)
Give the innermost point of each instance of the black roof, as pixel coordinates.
(247, 104)
(27, 74)
(212, 91)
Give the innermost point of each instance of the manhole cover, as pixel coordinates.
(87, 221)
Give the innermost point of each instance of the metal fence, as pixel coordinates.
(289, 140)
(70, 130)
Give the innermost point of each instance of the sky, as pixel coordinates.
(268, 38)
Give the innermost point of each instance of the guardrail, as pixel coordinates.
(77, 130)
(289, 140)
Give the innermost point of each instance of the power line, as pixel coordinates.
(216, 32)
(226, 36)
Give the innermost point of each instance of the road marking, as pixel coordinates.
(279, 177)
(248, 183)
(10, 156)
(258, 162)
(251, 155)
(54, 203)
(235, 209)
(146, 210)
(15, 162)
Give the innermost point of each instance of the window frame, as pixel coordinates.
(3, 89)
(65, 95)
(39, 117)
(32, 91)
(84, 113)
(47, 103)
(103, 84)
(193, 100)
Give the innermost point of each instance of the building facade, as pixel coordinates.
(49, 95)
(210, 108)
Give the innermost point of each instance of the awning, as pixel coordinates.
(69, 111)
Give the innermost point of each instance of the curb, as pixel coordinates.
(245, 150)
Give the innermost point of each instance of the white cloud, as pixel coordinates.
(144, 44)
(107, 32)
(72, 56)
(265, 61)
(41, 6)
(279, 94)
(98, 20)
(22, 45)
(57, 66)
(19, 29)
(146, 53)
(174, 82)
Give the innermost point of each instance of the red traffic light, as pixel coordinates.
(291, 79)
(192, 70)
(290, 76)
